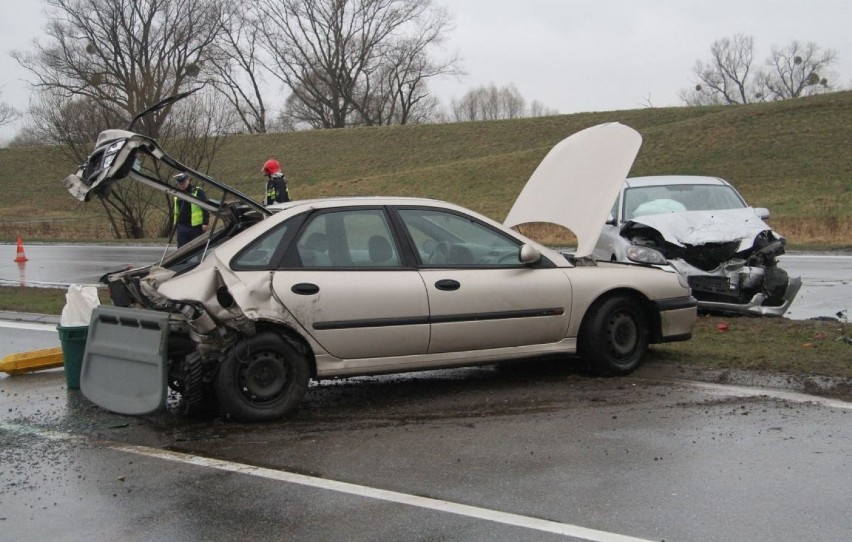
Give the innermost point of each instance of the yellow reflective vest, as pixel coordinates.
(196, 217)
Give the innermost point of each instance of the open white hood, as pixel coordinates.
(576, 183)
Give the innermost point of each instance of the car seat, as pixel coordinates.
(381, 251)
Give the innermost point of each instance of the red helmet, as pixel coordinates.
(271, 166)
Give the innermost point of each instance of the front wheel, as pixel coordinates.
(262, 378)
(614, 336)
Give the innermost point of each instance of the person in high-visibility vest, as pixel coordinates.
(277, 190)
(190, 220)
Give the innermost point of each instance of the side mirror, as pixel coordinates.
(528, 254)
(610, 220)
(762, 212)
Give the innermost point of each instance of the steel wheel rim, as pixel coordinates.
(263, 378)
(624, 336)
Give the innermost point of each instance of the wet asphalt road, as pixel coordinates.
(542, 452)
(524, 452)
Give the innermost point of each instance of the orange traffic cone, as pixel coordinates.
(21, 256)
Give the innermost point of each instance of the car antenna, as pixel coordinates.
(161, 104)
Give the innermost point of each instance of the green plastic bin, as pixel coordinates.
(73, 341)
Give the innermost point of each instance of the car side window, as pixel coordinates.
(445, 239)
(258, 254)
(344, 239)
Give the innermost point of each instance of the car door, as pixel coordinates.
(344, 281)
(480, 295)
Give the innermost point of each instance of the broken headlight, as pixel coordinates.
(110, 152)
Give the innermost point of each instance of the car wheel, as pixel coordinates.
(261, 378)
(614, 336)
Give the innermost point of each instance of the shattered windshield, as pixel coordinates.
(649, 200)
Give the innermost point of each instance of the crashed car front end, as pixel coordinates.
(736, 273)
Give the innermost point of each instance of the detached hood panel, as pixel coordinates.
(575, 184)
(695, 228)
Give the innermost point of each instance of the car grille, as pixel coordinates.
(710, 255)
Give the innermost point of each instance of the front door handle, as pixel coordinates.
(305, 288)
(448, 285)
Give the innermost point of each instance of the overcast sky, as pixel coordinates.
(571, 55)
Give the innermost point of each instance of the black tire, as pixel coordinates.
(261, 378)
(614, 336)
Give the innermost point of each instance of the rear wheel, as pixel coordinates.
(262, 378)
(614, 336)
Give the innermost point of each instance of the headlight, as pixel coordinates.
(645, 255)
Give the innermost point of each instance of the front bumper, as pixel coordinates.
(755, 306)
(677, 318)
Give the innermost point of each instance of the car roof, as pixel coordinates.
(297, 206)
(661, 180)
(360, 200)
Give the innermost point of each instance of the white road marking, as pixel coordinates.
(439, 505)
(537, 524)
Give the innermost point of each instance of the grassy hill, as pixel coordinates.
(793, 157)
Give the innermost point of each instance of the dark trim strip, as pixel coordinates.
(504, 315)
(413, 321)
(676, 303)
(375, 322)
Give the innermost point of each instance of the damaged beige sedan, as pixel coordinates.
(340, 287)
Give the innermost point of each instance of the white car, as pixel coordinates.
(702, 227)
(354, 286)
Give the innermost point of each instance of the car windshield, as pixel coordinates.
(672, 198)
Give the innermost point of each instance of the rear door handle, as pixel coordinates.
(448, 285)
(305, 288)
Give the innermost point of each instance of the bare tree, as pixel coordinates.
(493, 103)
(354, 61)
(70, 126)
(8, 114)
(71, 123)
(797, 70)
(730, 79)
(237, 66)
(538, 109)
(106, 60)
(397, 92)
(727, 78)
(125, 55)
(301, 112)
(27, 136)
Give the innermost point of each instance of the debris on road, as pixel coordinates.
(37, 360)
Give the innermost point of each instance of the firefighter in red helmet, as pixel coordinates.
(276, 184)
